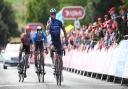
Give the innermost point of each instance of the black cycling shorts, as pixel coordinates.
(26, 48)
(39, 45)
(56, 42)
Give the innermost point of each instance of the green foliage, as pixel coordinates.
(98, 8)
(38, 10)
(12, 1)
(90, 10)
(8, 25)
(64, 3)
(125, 2)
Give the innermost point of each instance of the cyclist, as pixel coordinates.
(39, 40)
(26, 42)
(54, 26)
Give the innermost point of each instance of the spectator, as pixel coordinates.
(99, 20)
(107, 41)
(124, 26)
(113, 13)
(77, 24)
(102, 33)
(124, 12)
(106, 17)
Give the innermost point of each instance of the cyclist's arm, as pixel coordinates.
(48, 25)
(22, 38)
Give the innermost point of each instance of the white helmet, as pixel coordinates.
(39, 28)
(53, 10)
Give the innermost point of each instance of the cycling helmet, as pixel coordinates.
(53, 10)
(39, 28)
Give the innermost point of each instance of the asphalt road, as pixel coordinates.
(9, 80)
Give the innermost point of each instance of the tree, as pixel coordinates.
(98, 8)
(8, 26)
(38, 10)
(125, 2)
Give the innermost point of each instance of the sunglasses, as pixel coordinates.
(52, 13)
(39, 31)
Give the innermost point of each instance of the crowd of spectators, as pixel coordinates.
(104, 33)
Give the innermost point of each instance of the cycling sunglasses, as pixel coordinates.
(39, 31)
(52, 13)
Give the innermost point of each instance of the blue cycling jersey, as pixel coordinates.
(36, 37)
(55, 27)
(55, 30)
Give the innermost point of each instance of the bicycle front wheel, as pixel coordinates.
(38, 74)
(42, 68)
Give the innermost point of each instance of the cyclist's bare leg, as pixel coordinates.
(20, 53)
(52, 56)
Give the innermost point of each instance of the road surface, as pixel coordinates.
(9, 80)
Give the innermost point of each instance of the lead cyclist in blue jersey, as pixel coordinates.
(39, 40)
(54, 26)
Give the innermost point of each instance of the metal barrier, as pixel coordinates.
(111, 65)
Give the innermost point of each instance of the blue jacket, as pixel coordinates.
(37, 38)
